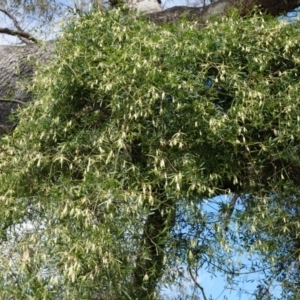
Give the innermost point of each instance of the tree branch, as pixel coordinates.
(16, 23)
(24, 37)
(233, 200)
(231, 209)
(20, 34)
(12, 101)
(197, 284)
(174, 14)
(272, 7)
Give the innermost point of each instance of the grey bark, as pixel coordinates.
(17, 63)
(16, 69)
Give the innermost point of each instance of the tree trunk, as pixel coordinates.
(150, 258)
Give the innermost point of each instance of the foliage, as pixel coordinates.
(134, 130)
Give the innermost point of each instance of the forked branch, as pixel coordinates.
(20, 33)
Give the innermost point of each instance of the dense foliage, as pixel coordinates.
(134, 130)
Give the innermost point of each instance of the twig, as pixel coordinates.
(12, 100)
(197, 284)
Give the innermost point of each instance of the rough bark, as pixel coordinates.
(16, 69)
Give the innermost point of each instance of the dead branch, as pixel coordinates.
(20, 34)
(17, 25)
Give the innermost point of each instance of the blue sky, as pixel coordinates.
(216, 287)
